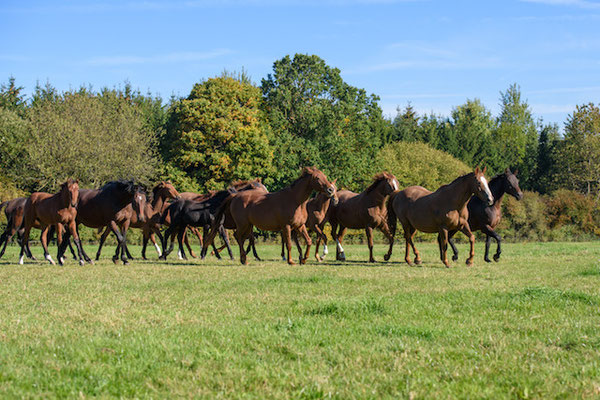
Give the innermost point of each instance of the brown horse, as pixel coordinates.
(98, 208)
(58, 209)
(278, 211)
(366, 210)
(14, 220)
(485, 218)
(316, 211)
(128, 217)
(439, 212)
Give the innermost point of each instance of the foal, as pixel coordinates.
(59, 209)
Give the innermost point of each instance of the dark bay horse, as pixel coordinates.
(485, 218)
(193, 213)
(442, 211)
(279, 211)
(366, 210)
(130, 217)
(58, 209)
(14, 220)
(316, 211)
(98, 208)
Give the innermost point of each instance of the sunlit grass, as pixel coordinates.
(526, 326)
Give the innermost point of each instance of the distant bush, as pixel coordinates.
(420, 164)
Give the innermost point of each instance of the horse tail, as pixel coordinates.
(216, 223)
(391, 214)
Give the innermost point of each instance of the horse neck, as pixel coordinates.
(376, 197)
(460, 193)
(158, 203)
(300, 191)
(497, 189)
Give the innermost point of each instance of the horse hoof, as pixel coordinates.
(487, 259)
(387, 257)
(81, 262)
(455, 257)
(91, 262)
(418, 261)
(372, 260)
(115, 259)
(496, 257)
(469, 263)
(125, 262)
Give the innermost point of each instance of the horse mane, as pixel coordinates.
(455, 181)
(305, 172)
(376, 179)
(128, 186)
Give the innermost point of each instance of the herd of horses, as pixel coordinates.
(467, 204)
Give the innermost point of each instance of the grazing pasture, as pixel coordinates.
(524, 327)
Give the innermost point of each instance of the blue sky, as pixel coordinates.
(434, 54)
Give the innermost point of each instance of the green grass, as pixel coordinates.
(525, 327)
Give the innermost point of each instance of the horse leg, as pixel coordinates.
(467, 231)
(253, 242)
(369, 232)
(320, 237)
(488, 240)
(340, 254)
(492, 234)
(451, 242)
(85, 256)
(390, 236)
(145, 237)
(181, 251)
(102, 240)
(153, 239)
(240, 235)
(308, 241)
(283, 247)
(120, 240)
(187, 242)
(73, 229)
(214, 246)
(7, 235)
(443, 243)
(225, 238)
(287, 237)
(24, 241)
(44, 241)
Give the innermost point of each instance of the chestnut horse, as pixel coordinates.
(58, 209)
(128, 217)
(278, 211)
(439, 212)
(99, 208)
(366, 210)
(485, 218)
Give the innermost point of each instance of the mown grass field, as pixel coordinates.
(525, 327)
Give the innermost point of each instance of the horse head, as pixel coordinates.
(511, 184)
(166, 190)
(320, 183)
(139, 202)
(384, 182)
(479, 186)
(70, 192)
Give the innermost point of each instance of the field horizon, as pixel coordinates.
(524, 327)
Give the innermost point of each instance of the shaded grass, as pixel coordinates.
(526, 327)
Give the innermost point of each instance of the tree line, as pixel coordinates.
(302, 113)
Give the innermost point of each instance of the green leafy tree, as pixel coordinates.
(547, 162)
(515, 139)
(318, 119)
(217, 134)
(467, 136)
(93, 137)
(580, 152)
(12, 98)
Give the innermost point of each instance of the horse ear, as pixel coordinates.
(334, 181)
(259, 180)
(507, 171)
(484, 169)
(477, 170)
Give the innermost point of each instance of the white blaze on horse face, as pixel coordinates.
(486, 187)
(395, 184)
(158, 249)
